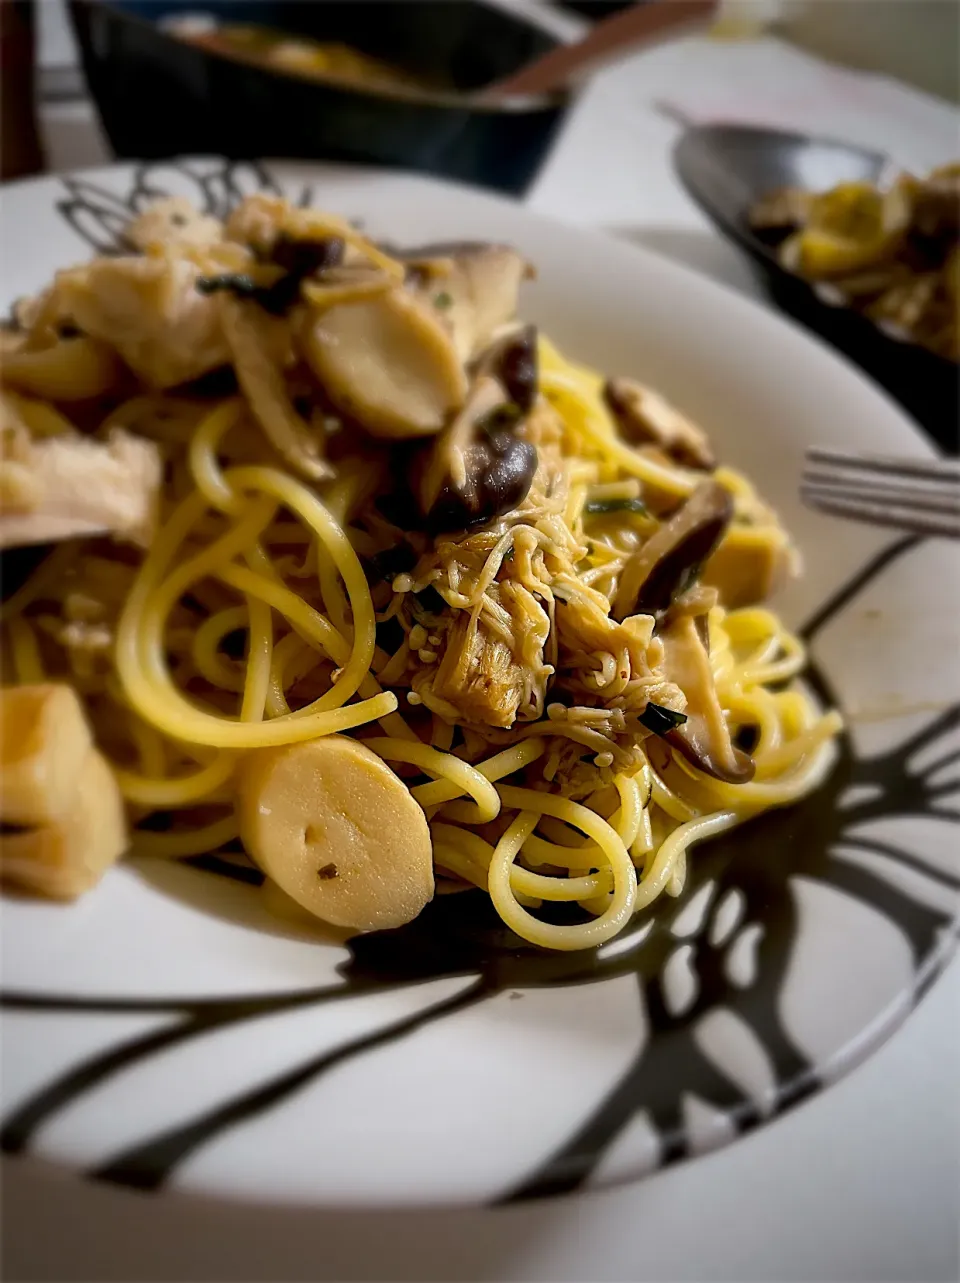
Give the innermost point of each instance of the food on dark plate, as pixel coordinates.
(891, 254)
(294, 55)
(348, 572)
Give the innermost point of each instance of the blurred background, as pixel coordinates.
(596, 112)
(913, 41)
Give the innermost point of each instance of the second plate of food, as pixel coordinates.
(863, 255)
(517, 789)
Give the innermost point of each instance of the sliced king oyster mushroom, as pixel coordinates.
(704, 738)
(388, 362)
(472, 286)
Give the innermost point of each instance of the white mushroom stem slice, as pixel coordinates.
(704, 739)
(338, 831)
(44, 741)
(66, 486)
(477, 295)
(251, 335)
(388, 362)
(346, 285)
(63, 859)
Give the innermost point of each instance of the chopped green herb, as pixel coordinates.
(509, 554)
(660, 720)
(442, 300)
(237, 282)
(277, 298)
(600, 507)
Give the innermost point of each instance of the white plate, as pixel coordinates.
(167, 1031)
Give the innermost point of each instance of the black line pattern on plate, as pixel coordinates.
(461, 936)
(99, 216)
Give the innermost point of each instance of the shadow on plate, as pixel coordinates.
(257, 908)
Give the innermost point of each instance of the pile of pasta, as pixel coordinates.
(509, 639)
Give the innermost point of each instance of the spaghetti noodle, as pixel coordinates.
(560, 644)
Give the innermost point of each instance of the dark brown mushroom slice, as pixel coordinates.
(512, 359)
(739, 769)
(669, 561)
(645, 418)
(307, 257)
(704, 738)
(477, 468)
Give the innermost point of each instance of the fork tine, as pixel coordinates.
(827, 473)
(939, 499)
(922, 496)
(931, 470)
(890, 515)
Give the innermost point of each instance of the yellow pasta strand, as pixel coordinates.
(465, 778)
(252, 549)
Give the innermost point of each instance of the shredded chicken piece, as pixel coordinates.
(65, 486)
(151, 312)
(174, 221)
(259, 220)
(477, 679)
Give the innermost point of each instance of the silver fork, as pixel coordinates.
(919, 495)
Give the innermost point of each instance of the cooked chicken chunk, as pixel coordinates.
(65, 486)
(477, 678)
(262, 221)
(151, 312)
(173, 221)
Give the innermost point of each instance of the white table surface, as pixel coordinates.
(862, 1182)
